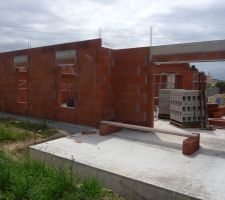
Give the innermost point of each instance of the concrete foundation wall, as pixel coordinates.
(126, 187)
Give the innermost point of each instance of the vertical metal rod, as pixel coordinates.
(100, 32)
(150, 52)
(150, 36)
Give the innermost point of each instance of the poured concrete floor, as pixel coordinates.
(153, 158)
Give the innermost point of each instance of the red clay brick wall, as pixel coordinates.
(105, 82)
(130, 85)
(133, 86)
(44, 84)
(7, 90)
(42, 76)
(88, 104)
(109, 84)
(186, 81)
(95, 86)
(88, 101)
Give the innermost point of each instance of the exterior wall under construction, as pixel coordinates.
(83, 83)
(50, 74)
(132, 86)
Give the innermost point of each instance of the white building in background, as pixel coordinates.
(209, 80)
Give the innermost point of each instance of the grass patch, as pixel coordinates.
(32, 180)
(38, 127)
(22, 178)
(10, 134)
(31, 126)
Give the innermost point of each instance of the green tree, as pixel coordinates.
(193, 68)
(221, 86)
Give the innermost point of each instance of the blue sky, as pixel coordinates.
(216, 69)
(124, 23)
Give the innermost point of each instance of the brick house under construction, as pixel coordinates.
(84, 83)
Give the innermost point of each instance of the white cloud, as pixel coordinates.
(125, 23)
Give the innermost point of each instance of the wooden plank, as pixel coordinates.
(147, 129)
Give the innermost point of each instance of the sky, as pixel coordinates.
(120, 23)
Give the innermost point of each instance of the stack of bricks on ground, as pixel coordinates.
(215, 114)
(214, 111)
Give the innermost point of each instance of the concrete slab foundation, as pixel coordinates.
(140, 165)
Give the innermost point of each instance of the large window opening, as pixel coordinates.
(21, 78)
(66, 61)
(67, 88)
(22, 86)
(166, 81)
(209, 92)
(215, 74)
(171, 81)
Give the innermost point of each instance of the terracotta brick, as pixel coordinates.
(222, 110)
(104, 129)
(189, 146)
(217, 114)
(217, 122)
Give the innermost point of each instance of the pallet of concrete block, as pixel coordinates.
(184, 97)
(185, 108)
(164, 103)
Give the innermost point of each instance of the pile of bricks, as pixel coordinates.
(217, 122)
(191, 145)
(222, 110)
(217, 114)
(214, 111)
(212, 107)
